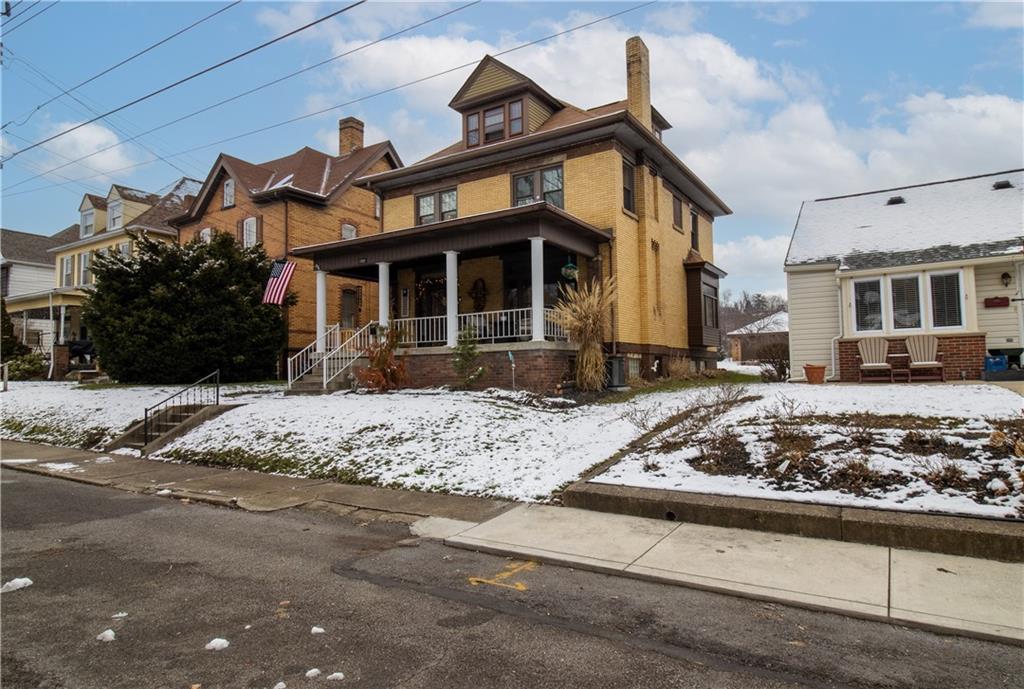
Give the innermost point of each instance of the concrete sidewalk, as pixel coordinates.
(252, 491)
(945, 592)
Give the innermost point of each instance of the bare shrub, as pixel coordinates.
(918, 443)
(644, 418)
(679, 368)
(863, 427)
(774, 358)
(942, 473)
(649, 465)
(384, 371)
(856, 475)
(723, 453)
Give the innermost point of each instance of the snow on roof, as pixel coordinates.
(941, 221)
(180, 188)
(776, 323)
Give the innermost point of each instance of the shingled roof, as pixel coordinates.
(170, 204)
(33, 248)
(952, 220)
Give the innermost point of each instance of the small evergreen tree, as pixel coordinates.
(10, 346)
(465, 359)
(172, 314)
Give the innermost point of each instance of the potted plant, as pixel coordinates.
(814, 373)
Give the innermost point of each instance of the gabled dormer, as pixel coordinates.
(498, 103)
(124, 204)
(92, 215)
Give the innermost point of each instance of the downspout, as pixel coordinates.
(49, 375)
(834, 341)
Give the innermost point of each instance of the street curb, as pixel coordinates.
(988, 539)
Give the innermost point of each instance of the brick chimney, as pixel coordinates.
(638, 80)
(350, 135)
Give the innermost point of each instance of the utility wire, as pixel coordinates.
(121, 63)
(257, 88)
(363, 98)
(7, 32)
(192, 76)
(23, 11)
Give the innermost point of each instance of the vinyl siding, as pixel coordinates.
(26, 279)
(813, 319)
(492, 78)
(1000, 325)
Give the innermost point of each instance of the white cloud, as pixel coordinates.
(997, 15)
(677, 17)
(81, 142)
(754, 263)
(784, 13)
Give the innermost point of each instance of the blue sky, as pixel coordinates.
(772, 103)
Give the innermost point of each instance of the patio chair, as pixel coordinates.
(874, 358)
(925, 358)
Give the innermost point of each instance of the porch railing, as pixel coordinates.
(311, 355)
(172, 410)
(424, 330)
(506, 325)
(554, 326)
(344, 355)
(491, 326)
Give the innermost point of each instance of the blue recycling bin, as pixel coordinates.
(995, 364)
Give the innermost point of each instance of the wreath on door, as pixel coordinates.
(479, 294)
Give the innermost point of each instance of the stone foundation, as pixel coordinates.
(963, 356)
(540, 367)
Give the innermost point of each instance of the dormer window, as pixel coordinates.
(114, 215)
(87, 226)
(496, 123)
(229, 193)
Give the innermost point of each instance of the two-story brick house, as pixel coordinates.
(303, 198)
(538, 193)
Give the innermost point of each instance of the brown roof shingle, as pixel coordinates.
(32, 248)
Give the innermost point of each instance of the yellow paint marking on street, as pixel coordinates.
(509, 571)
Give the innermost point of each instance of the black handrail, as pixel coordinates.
(196, 394)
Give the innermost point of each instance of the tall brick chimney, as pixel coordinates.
(350, 135)
(638, 80)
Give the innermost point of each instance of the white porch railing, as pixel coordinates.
(344, 355)
(425, 330)
(487, 326)
(311, 355)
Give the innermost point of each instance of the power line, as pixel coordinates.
(7, 32)
(362, 98)
(23, 11)
(122, 62)
(259, 88)
(190, 77)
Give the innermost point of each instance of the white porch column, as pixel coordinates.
(61, 329)
(383, 294)
(451, 285)
(537, 288)
(321, 311)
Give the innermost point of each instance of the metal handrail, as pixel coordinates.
(348, 352)
(189, 396)
(312, 354)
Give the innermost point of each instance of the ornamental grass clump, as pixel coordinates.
(583, 312)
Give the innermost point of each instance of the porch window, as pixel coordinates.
(515, 118)
(906, 302)
(88, 224)
(677, 212)
(440, 205)
(540, 185)
(947, 311)
(473, 129)
(694, 230)
(867, 305)
(628, 186)
(710, 302)
(229, 193)
(114, 215)
(67, 271)
(494, 124)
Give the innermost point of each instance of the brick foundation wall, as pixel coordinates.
(960, 353)
(539, 370)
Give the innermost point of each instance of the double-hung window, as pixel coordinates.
(67, 271)
(629, 186)
(515, 118)
(88, 223)
(249, 233)
(229, 193)
(114, 215)
(125, 249)
(947, 304)
(85, 274)
(473, 129)
(437, 206)
(905, 295)
(539, 185)
(867, 305)
(694, 230)
(710, 297)
(206, 235)
(494, 124)
(677, 212)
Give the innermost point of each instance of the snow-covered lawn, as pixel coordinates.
(737, 367)
(938, 448)
(921, 447)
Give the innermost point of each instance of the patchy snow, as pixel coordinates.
(107, 635)
(312, 674)
(15, 584)
(164, 491)
(217, 644)
(63, 467)
(736, 367)
(316, 630)
(898, 477)
(17, 461)
(119, 615)
(103, 460)
(280, 685)
(955, 213)
(335, 676)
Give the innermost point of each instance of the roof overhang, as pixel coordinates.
(704, 266)
(618, 125)
(359, 256)
(108, 234)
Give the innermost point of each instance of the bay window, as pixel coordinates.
(867, 305)
(947, 306)
(905, 293)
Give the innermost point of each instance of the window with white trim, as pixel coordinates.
(349, 231)
(867, 305)
(946, 298)
(125, 249)
(87, 225)
(115, 212)
(905, 295)
(84, 273)
(249, 233)
(229, 193)
(205, 235)
(67, 271)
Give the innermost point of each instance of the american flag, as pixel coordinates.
(277, 285)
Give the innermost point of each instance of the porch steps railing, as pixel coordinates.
(174, 409)
(348, 352)
(311, 355)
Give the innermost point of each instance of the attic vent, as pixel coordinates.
(895, 201)
(1002, 184)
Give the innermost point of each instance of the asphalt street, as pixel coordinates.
(396, 611)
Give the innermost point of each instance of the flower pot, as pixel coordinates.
(815, 374)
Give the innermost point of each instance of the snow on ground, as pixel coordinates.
(73, 415)
(959, 432)
(736, 367)
(106, 635)
(217, 644)
(15, 584)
